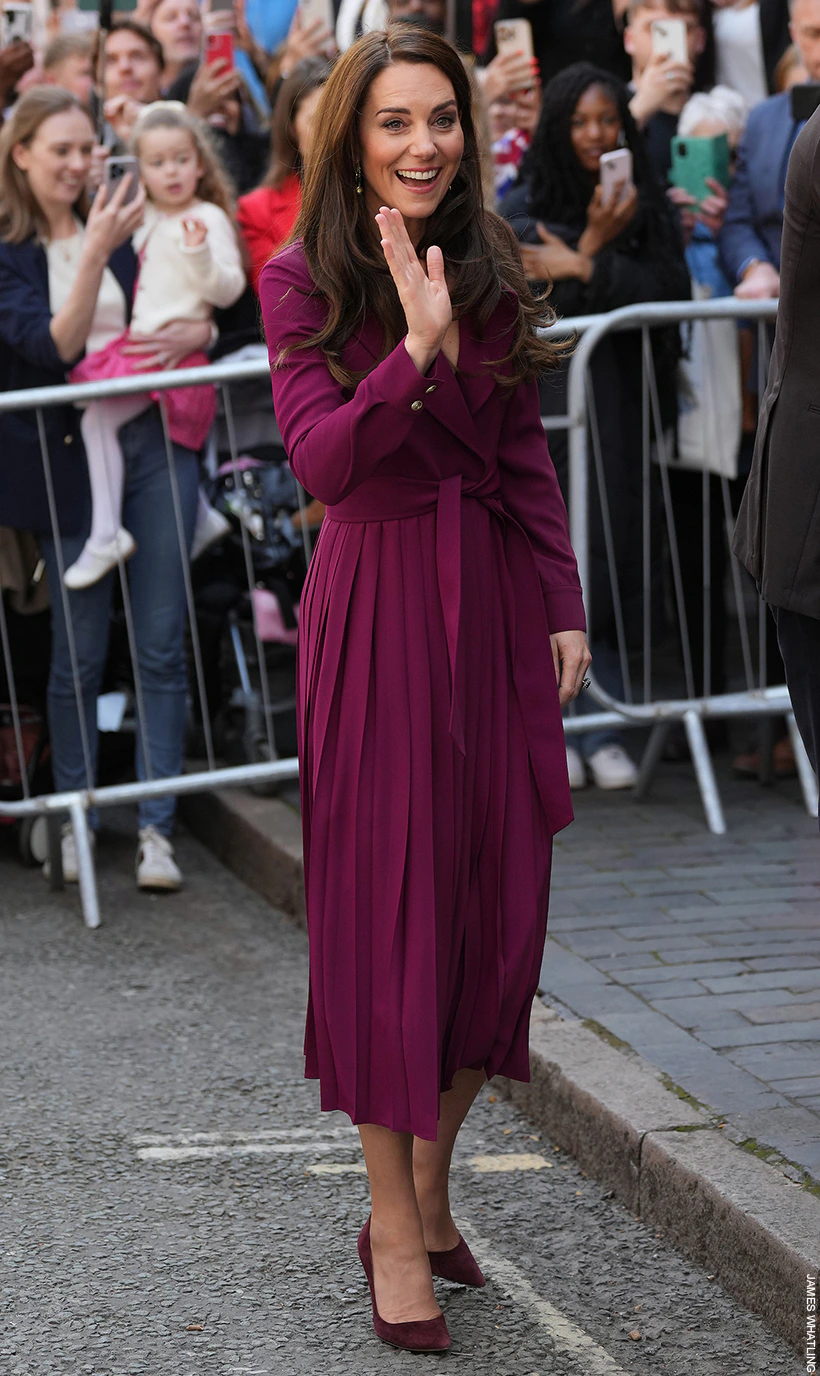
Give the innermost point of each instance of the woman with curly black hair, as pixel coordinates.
(598, 256)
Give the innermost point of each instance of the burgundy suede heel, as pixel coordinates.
(427, 1335)
(458, 1265)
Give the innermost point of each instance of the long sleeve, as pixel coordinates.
(333, 443)
(530, 492)
(740, 238)
(25, 317)
(216, 265)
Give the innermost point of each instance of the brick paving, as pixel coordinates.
(701, 952)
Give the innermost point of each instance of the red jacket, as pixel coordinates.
(266, 218)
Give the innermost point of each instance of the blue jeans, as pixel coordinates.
(157, 590)
(606, 665)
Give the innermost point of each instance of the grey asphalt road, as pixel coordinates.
(172, 1203)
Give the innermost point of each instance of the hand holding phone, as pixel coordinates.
(115, 170)
(313, 11)
(616, 175)
(669, 39)
(219, 48)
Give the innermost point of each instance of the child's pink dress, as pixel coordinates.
(190, 410)
(176, 283)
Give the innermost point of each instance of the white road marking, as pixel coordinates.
(521, 1161)
(208, 1152)
(335, 1168)
(566, 1335)
(186, 1139)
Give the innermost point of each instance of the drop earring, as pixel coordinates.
(358, 178)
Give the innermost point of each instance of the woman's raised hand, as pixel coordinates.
(110, 221)
(423, 294)
(607, 219)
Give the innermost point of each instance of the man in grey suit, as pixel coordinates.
(778, 527)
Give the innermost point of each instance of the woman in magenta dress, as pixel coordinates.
(442, 629)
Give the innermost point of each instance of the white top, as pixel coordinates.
(739, 46)
(179, 283)
(63, 265)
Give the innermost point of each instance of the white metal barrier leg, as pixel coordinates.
(707, 782)
(85, 865)
(805, 773)
(651, 759)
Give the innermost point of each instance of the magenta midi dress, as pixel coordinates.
(433, 765)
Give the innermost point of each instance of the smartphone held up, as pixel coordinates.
(669, 40)
(115, 169)
(616, 175)
(16, 24)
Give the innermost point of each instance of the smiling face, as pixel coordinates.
(595, 127)
(57, 161)
(170, 167)
(410, 140)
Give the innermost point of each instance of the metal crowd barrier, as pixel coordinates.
(660, 710)
(77, 804)
(581, 424)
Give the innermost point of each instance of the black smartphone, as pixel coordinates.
(805, 100)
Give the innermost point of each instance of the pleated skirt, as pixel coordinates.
(426, 870)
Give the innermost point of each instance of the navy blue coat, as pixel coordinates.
(754, 221)
(29, 358)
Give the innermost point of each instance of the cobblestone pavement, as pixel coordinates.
(701, 952)
(174, 1205)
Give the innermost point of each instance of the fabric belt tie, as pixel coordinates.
(395, 499)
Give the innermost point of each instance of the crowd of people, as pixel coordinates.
(101, 279)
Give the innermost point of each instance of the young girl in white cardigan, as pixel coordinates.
(189, 262)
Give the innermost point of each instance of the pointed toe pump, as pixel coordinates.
(458, 1264)
(425, 1335)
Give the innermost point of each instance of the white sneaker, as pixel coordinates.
(156, 868)
(95, 561)
(575, 768)
(68, 850)
(214, 526)
(611, 767)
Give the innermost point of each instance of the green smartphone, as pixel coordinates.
(693, 160)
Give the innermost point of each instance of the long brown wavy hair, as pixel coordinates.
(20, 212)
(341, 246)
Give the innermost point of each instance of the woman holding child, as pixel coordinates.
(67, 281)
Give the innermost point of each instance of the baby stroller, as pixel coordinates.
(247, 591)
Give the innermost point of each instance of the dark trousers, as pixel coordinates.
(799, 640)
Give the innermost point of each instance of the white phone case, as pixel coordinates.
(616, 167)
(669, 40)
(311, 10)
(513, 36)
(17, 24)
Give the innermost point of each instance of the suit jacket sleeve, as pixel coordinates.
(334, 441)
(740, 239)
(25, 318)
(530, 492)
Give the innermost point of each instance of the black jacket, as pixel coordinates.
(629, 270)
(777, 535)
